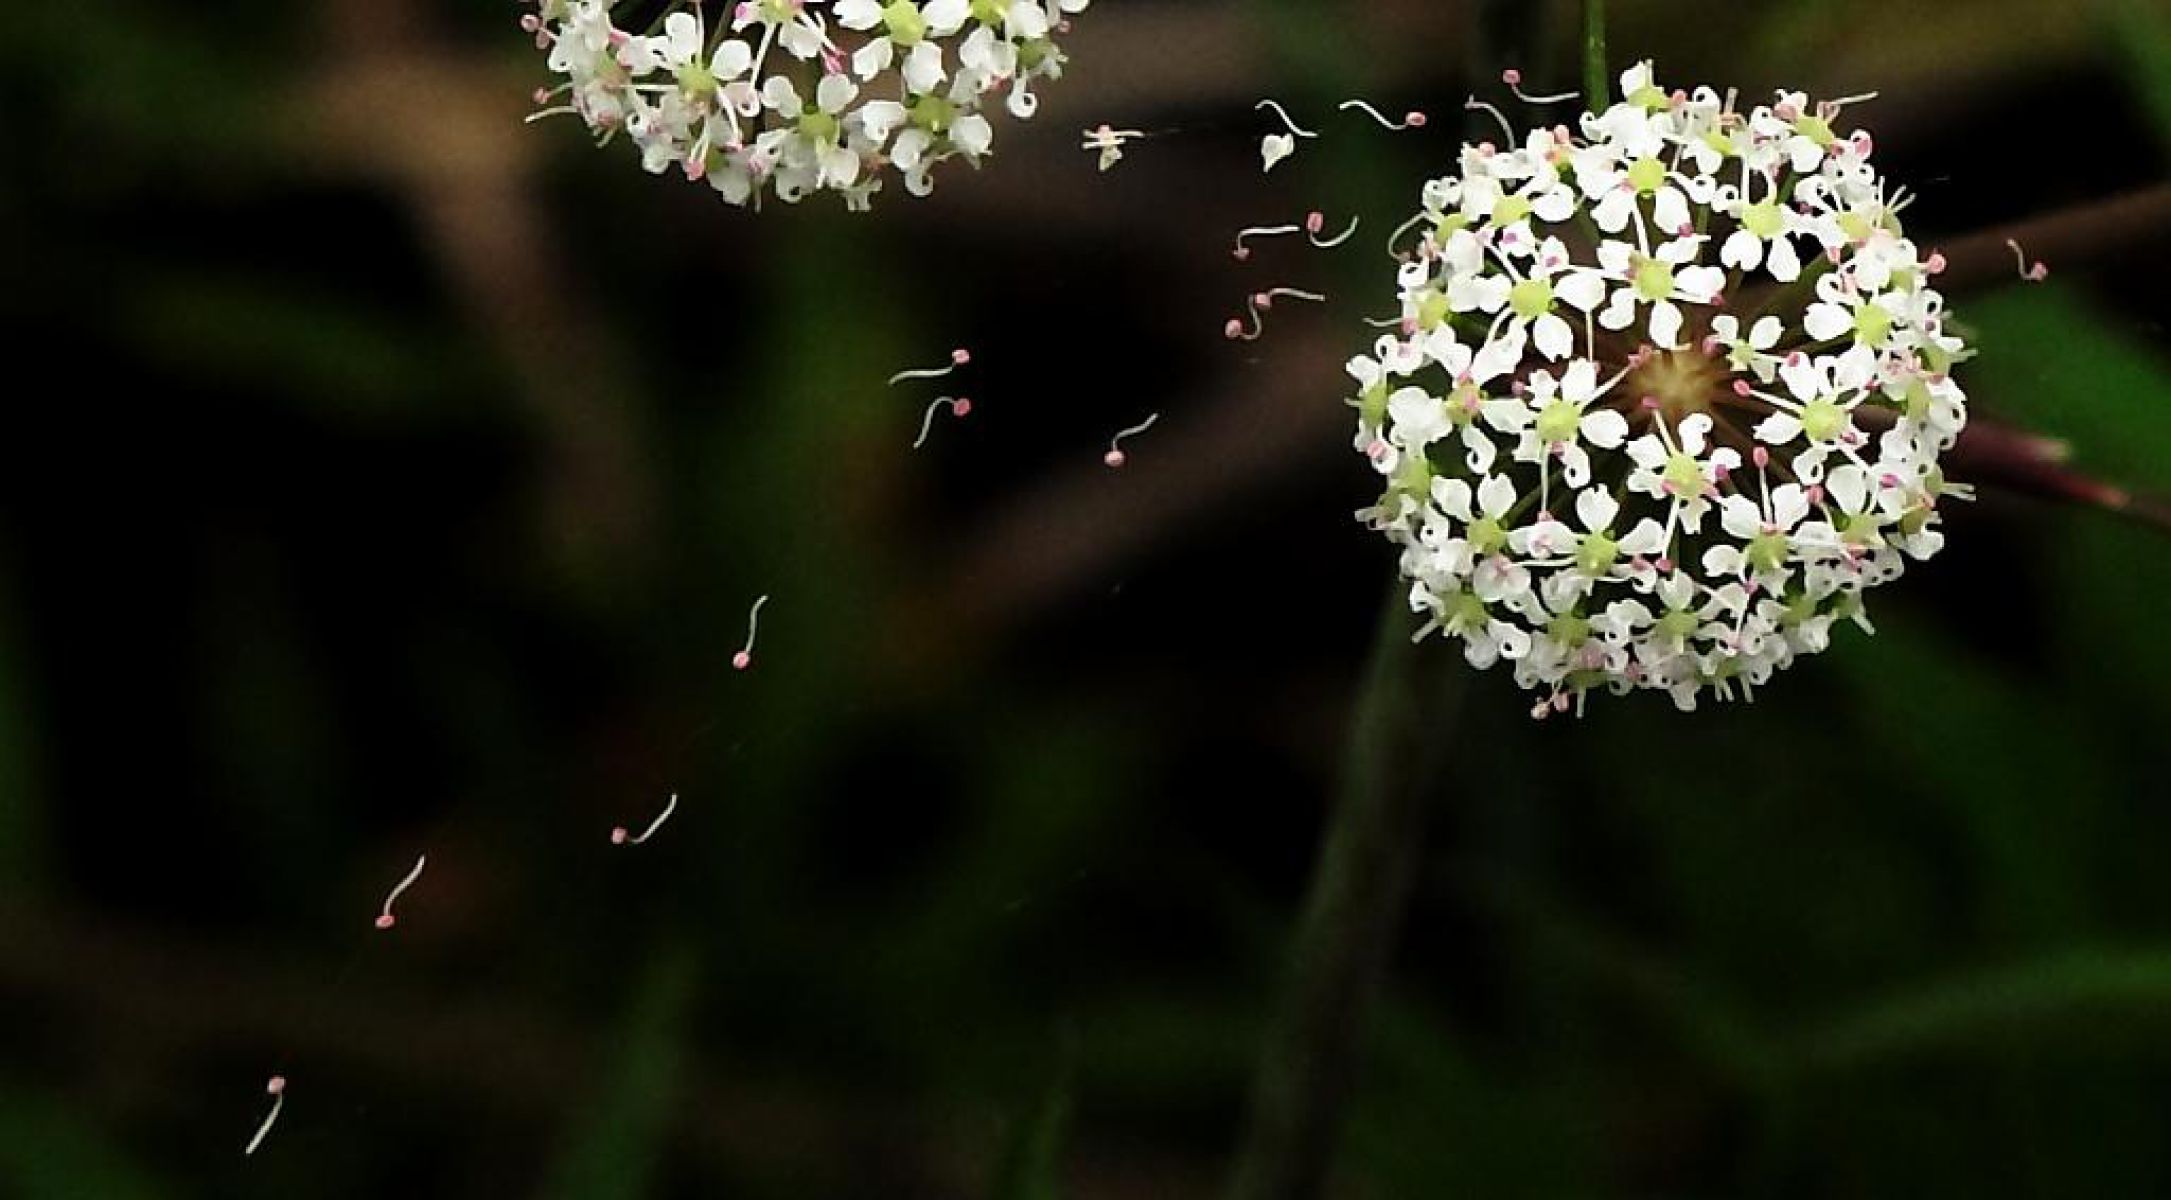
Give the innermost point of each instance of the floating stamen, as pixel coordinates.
(2036, 273)
(958, 358)
(275, 1087)
(745, 657)
(1115, 457)
(385, 919)
(1314, 222)
(1275, 107)
(619, 836)
(1257, 304)
(1473, 104)
(959, 407)
(1410, 120)
(1243, 252)
(1514, 79)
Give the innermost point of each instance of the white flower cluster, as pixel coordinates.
(1664, 399)
(798, 96)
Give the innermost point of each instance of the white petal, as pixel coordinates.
(1827, 321)
(1583, 289)
(1555, 340)
(1604, 428)
(1596, 508)
(1778, 429)
(1665, 325)
(1496, 495)
(1742, 250)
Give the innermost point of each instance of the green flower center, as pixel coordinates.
(1678, 625)
(1654, 279)
(1822, 420)
(1872, 324)
(1372, 405)
(1463, 403)
(1597, 554)
(933, 113)
(1557, 423)
(903, 22)
(1685, 475)
(1510, 209)
(1763, 220)
(1433, 311)
(1647, 175)
(818, 125)
(696, 80)
(1531, 298)
(989, 12)
(1648, 98)
(1768, 551)
(1464, 610)
(1487, 536)
(1568, 629)
(1816, 129)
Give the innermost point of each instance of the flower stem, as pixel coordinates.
(1352, 914)
(1594, 54)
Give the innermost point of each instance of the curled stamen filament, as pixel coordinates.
(1410, 120)
(385, 919)
(1275, 107)
(1243, 251)
(619, 836)
(1115, 457)
(959, 407)
(745, 657)
(1257, 304)
(2035, 273)
(1315, 222)
(1514, 79)
(1474, 104)
(275, 1087)
(958, 358)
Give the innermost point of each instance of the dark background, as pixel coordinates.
(387, 477)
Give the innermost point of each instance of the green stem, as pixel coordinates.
(1595, 89)
(1352, 915)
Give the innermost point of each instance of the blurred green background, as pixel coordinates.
(390, 477)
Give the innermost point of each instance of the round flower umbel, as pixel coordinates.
(1668, 395)
(798, 96)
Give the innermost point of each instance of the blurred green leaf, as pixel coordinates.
(2120, 995)
(2142, 32)
(1033, 1157)
(614, 1157)
(2054, 366)
(48, 1153)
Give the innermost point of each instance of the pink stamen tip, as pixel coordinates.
(1936, 263)
(1721, 471)
(1414, 119)
(1686, 229)
(1314, 222)
(619, 835)
(1816, 493)
(1665, 565)
(1741, 387)
(1650, 403)
(542, 96)
(741, 661)
(1241, 254)
(1233, 330)
(1409, 327)
(275, 1085)
(961, 407)
(961, 356)
(1761, 457)
(1263, 299)
(1889, 480)
(1511, 77)
(387, 921)
(1115, 459)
